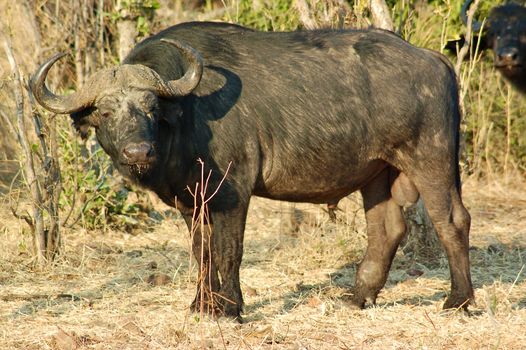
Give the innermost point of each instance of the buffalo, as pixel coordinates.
(504, 33)
(303, 116)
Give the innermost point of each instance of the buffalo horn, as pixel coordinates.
(475, 25)
(55, 103)
(192, 77)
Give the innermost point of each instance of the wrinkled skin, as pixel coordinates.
(304, 117)
(504, 33)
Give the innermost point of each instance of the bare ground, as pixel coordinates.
(294, 277)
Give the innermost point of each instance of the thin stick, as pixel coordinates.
(508, 134)
(220, 183)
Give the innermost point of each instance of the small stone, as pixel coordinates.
(159, 279)
(64, 341)
(415, 272)
(314, 302)
(152, 265)
(251, 292)
(134, 254)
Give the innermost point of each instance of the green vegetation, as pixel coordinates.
(142, 11)
(264, 15)
(91, 195)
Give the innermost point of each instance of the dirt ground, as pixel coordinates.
(114, 290)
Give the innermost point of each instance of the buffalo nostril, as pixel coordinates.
(508, 55)
(138, 152)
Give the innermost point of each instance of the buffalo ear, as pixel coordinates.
(171, 113)
(81, 122)
(482, 42)
(454, 46)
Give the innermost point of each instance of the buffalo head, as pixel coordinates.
(125, 106)
(504, 33)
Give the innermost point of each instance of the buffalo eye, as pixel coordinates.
(150, 115)
(98, 117)
(105, 114)
(171, 114)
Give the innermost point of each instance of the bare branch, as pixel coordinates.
(26, 217)
(464, 50)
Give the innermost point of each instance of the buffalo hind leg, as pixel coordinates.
(385, 229)
(443, 202)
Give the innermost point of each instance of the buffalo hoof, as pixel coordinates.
(216, 309)
(457, 302)
(360, 297)
(232, 311)
(356, 304)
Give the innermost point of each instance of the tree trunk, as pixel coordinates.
(421, 241)
(381, 16)
(127, 33)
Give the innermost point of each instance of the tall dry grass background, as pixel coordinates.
(125, 276)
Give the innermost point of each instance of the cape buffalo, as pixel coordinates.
(504, 33)
(305, 116)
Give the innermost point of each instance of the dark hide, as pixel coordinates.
(305, 117)
(504, 33)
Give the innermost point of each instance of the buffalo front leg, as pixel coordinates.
(228, 228)
(208, 280)
(385, 229)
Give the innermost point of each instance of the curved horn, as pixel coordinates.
(475, 25)
(50, 101)
(192, 77)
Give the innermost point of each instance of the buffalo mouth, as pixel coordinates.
(509, 69)
(139, 157)
(140, 169)
(508, 65)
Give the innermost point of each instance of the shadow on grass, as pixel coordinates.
(501, 263)
(123, 281)
(59, 303)
(495, 263)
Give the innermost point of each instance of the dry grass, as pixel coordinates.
(293, 275)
